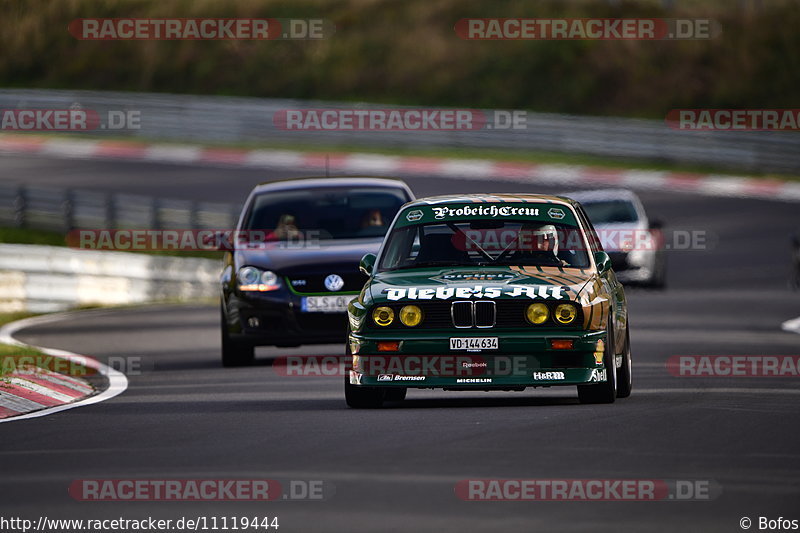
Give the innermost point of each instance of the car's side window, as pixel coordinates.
(591, 234)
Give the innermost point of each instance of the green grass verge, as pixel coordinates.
(6, 365)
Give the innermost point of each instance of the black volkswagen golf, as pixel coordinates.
(291, 267)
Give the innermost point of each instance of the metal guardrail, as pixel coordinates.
(63, 210)
(227, 119)
(53, 278)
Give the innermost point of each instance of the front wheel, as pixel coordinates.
(603, 392)
(234, 353)
(397, 394)
(624, 381)
(362, 397)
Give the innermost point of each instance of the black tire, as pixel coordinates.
(659, 279)
(234, 353)
(397, 394)
(604, 392)
(624, 381)
(362, 397)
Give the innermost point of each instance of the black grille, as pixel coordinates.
(308, 282)
(462, 314)
(484, 314)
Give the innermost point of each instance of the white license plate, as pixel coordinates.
(325, 304)
(473, 343)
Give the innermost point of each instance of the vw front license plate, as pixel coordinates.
(325, 304)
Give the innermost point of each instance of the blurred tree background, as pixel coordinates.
(406, 52)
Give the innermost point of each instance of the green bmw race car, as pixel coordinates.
(488, 292)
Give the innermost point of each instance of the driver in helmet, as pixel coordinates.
(538, 245)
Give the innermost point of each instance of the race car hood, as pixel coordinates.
(281, 258)
(495, 283)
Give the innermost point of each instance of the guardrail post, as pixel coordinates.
(111, 212)
(68, 207)
(155, 221)
(194, 216)
(20, 204)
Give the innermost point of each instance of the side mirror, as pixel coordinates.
(603, 262)
(656, 224)
(367, 264)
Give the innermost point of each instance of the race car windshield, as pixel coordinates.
(610, 211)
(484, 243)
(324, 213)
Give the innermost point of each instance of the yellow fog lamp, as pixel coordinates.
(383, 316)
(410, 315)
(537, 313)
(566, 313)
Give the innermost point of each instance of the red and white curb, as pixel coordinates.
(31, 395)
(463, 169)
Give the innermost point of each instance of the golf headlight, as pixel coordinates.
(566, 313)
(411, 315)
(254, 279)
(537, 313)
(249, 275)
(269, 277)
(383, 316)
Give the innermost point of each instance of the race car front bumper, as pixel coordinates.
(521, 360)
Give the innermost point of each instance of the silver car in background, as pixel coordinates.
(632, 240)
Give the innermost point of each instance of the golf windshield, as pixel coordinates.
(324, 213)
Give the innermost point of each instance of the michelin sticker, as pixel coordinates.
(477, 276)
(478, 291)
(556, 213)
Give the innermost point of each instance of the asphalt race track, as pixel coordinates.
(395, 469)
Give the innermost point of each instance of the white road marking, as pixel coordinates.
(792, 325)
